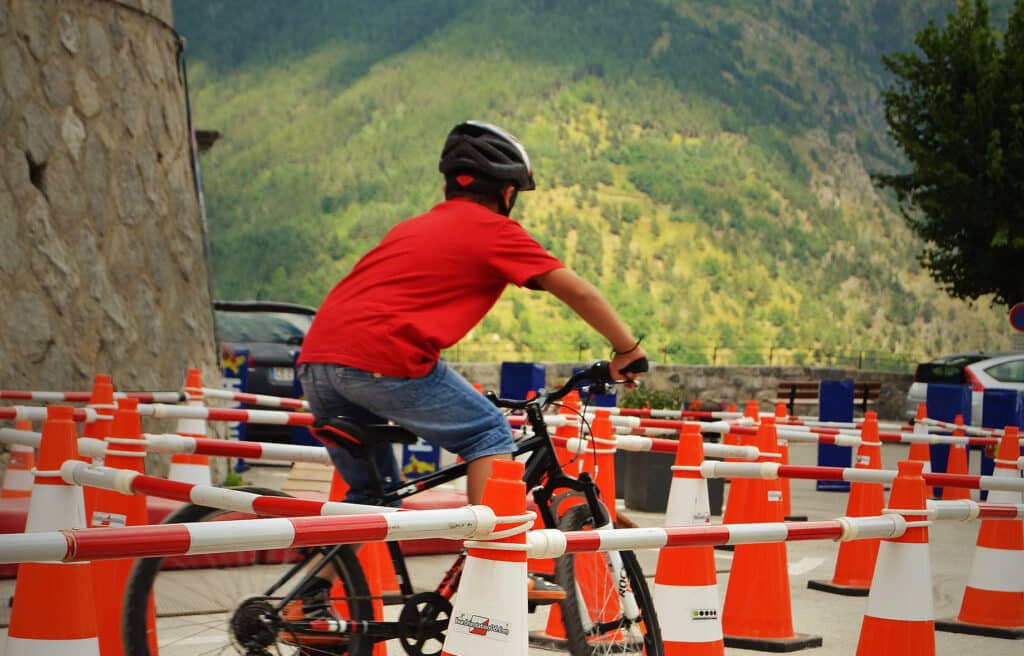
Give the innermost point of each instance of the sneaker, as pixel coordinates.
(540, 591)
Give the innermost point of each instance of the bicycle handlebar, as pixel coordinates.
(597, 373)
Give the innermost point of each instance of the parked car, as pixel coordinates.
(954, 370)
(272, 333)
(1005, 372)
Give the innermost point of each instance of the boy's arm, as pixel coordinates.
(586, 301)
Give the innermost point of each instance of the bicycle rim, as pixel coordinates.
(212, 605)
(592, 610)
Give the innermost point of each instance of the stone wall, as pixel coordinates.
(102, 265)
(734, 384)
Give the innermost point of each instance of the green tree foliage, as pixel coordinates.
(957, 111)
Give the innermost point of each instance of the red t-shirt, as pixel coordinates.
(429, 281)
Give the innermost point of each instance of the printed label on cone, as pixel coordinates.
(106, 519)
(775, 495)
(483, 626)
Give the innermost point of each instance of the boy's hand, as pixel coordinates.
(620, 362)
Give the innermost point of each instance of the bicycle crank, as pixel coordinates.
(422, 624)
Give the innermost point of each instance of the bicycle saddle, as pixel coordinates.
(348, 434)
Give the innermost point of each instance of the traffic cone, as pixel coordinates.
(489, 615)
(53, 611)
(20, 461)
(554, 633)
(920, 451)
(101, 399)
(186, 467)
(125, 450)
(855, 563)
(956, 464)
(993, 603)
(783, 448)
(598, 459)
(377, 567)
(685, 585)
(757, 613)
(900, 616)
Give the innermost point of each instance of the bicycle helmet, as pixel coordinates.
(489, 151)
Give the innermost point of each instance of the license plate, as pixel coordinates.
(282, 374)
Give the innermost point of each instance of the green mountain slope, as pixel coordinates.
(705, 163)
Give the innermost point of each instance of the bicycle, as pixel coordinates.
(255, 617)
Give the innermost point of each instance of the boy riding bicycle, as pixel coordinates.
(373, 351)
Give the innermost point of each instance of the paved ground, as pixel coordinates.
(837, 619)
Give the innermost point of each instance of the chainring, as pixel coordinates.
(424, 618)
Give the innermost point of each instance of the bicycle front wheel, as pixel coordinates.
(598, 620)
(230, 603)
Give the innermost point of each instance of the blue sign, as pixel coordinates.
(1017, 317)
(420, 459)
(235, 377)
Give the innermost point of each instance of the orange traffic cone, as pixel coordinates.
(920, 451)
(598, 459)
(53, 611)
(993, 603)
(855, 563)
(757, 613)
(190, 467)
(783, 448)
(900, 616)
(685, 586)
(125, 450)
(102, 401)
(20, 461)
(489, 615)
(956, 464)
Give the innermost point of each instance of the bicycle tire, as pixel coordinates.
(196, 606)
(591, 594)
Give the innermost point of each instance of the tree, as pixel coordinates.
(957, 111)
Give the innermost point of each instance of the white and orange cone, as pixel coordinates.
(191, 468)
(993, 603)
(484, 622)
(125, 450)
(920, 451)
(53, 606)
(956, 463)
(900, 618)
(20, 461)
(685, 584)
(855, 563)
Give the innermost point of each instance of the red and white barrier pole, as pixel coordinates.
(84, 397)
(255, 399)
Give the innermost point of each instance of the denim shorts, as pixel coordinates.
(441, 407)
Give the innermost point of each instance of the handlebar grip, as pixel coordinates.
(638, 366)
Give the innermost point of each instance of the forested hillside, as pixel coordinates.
(706, 163)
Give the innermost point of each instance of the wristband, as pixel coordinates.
(629, 350)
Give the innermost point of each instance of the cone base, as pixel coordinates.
(833, 588)
(775, 645)
(795, 518)
(952, 625)
(547, 641)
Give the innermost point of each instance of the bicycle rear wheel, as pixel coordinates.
(220, 604)
(592, 611)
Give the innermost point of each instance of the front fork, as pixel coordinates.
(602, 522)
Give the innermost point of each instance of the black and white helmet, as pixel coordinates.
(489, 151)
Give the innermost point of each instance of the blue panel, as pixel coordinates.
(999, 409)
(520, 378)
(835, 403)
(234, 375)
(944, 403)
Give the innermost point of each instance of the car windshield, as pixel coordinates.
(268, 327)
(936, 372)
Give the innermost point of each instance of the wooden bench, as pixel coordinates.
(805, 392)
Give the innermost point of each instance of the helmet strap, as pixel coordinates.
(507, 209)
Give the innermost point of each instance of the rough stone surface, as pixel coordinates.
(90, 276)
(70, 35)
(87, 93)
(13, 69)
(56, 84)
(73, 132)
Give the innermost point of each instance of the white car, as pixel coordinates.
(1005, 372)
(947, 370)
